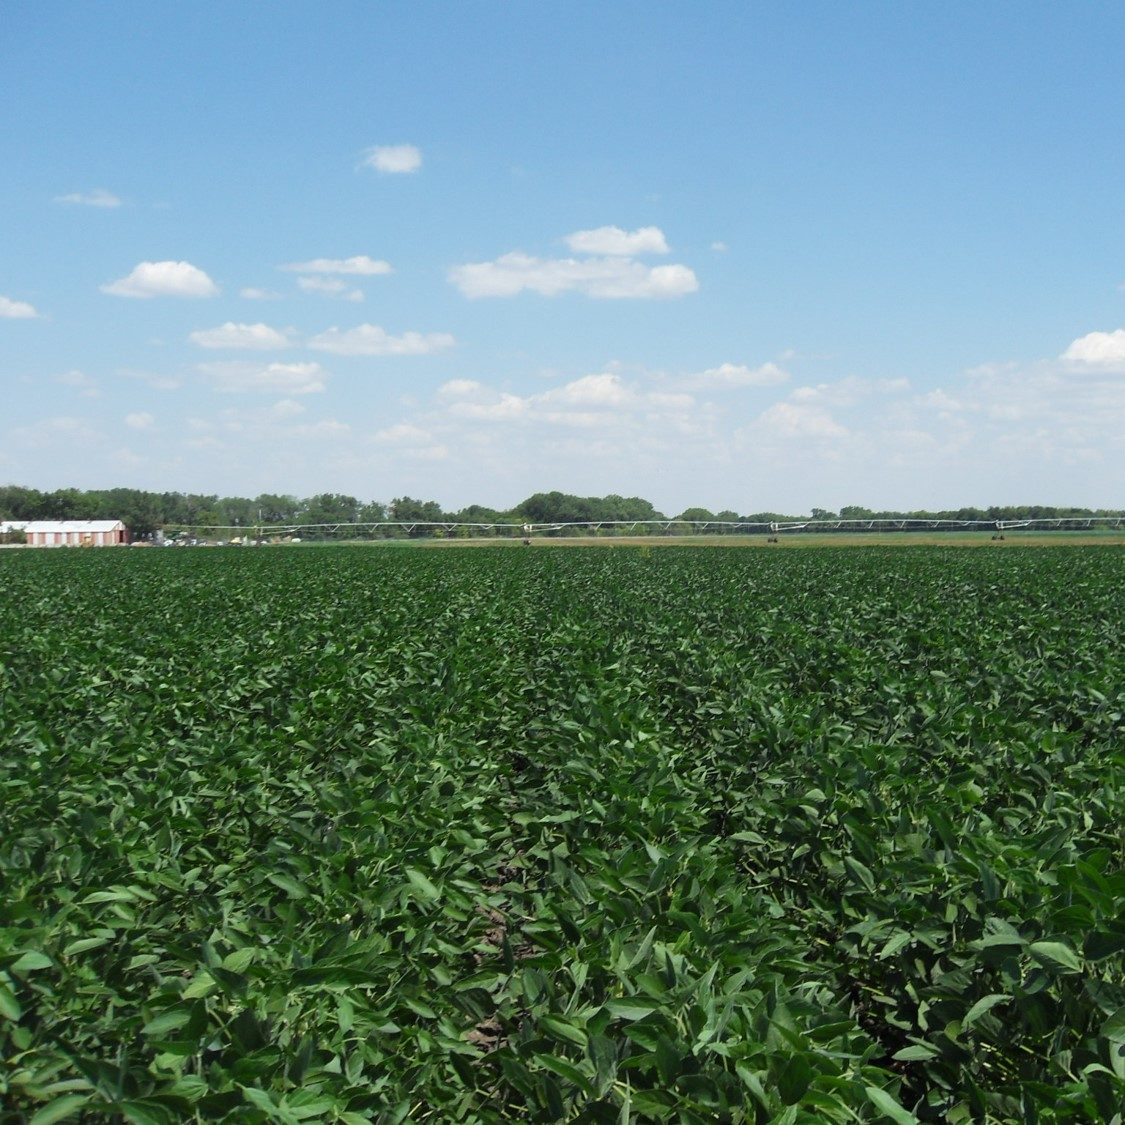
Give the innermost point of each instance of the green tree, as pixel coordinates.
(374, 511)
(331, 508)
(19, 503)
(278, 509)
(407, 508)
(561, 507)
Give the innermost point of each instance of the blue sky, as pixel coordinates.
(741, 256)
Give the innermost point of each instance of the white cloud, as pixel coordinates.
(370, 339)
(1102, 350)
(596, 277)
(79, 381)
(600, 400)
(988, 370)
(404, 433)
(203, 444)
(16, 310)
(322, 284)
(250, 337)
(163, 279)
(848, 391)
(942, 403)
(359, 266)
(237, 376)
(330, 287)
(64, 431)
(139, 420)
(719, 247)
(458, 388)
(241, 419)
(501, 407)
(618, 243)
(606, 389)
(737, 375)
(407, 440)
(265, 428)
(796, 419)
(325, 428)
(157, 382)
(126, 458)
(393, 159)
(1046, 393)
(1032, 422)
(726, 435)
(99, 197)
(286, 408)
(250, 293)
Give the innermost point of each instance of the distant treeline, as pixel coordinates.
(145, 512)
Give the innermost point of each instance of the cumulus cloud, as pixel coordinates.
(60, 431)
(393, 159)
(1002, 432)
(848, 391)
(250, 293)
(1100, 350)
(99, 197)
(79, 381)
(360, 266)
(403, 433)
(370, 339)
(729, 375)
(404, 439)
(797, 419)
(243, 418)
(607, 278)
(286, 408)
(497, 407)
(239, 376)
(459, 388)
(330, 287)
(16, 310)
(139, 420)
(618, 243)
(322, 284)
(270, 426)
(605, 389)
(163, 279)
(601, 399)
(1031, 422)
(248, 337)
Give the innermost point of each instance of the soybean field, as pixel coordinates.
(612, 835)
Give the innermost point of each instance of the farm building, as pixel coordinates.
(71, 533)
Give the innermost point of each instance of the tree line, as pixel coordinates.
(145, 512)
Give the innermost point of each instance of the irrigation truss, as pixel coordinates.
(662, 527)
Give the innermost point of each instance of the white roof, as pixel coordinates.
(81, 527)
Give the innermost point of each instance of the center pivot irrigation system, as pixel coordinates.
(503, 529)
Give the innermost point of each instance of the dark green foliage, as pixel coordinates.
(144, 512)
(602, 835)
(551, 507)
